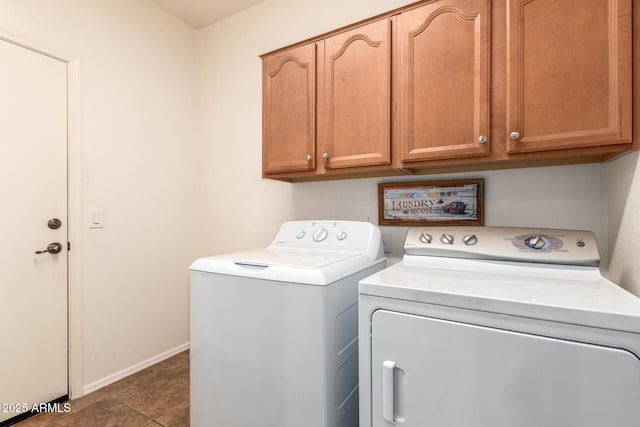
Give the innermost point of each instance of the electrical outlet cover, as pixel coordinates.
(386, 242)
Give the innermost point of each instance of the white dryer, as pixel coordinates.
(498, 327)
(274, 334)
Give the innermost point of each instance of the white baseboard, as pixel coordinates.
(96, 385)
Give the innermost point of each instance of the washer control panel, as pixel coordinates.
(330, 235)
(545, 245)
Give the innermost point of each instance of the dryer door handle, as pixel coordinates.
(388, 413)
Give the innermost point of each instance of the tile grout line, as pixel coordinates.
(136, 410)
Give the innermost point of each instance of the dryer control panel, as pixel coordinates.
(544, 245)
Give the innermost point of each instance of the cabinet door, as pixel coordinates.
(288, 110)
(568, 74)
(431, 372)
(445, 80)
(356, 96)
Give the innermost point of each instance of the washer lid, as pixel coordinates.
(305, 252)
(312, 267)
(586, 299)
(291, 258)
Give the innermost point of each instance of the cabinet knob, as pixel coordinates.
(308, 158)
(325, 156)
(482, 139)
(515, 136)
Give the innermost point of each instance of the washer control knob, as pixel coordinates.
(447, 239)
(470, 239)
(320, 234)
(425, 238)
(300, 234)
(535, 242)
(342, 235)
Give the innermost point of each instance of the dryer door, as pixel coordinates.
(430, 372)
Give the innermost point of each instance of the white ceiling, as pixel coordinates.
(200, 13)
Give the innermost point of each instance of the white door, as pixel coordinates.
(33, 190)
(430, 372)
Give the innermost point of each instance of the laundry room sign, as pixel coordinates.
(458, 202)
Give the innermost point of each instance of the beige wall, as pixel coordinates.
(237, 209)
(623, 190)
(136, 121)
(560, 197)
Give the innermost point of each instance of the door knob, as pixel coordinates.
(54, 223)
(52, 248)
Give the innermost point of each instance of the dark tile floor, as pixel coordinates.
(155, 396)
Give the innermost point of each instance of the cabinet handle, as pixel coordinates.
(482, 139)
(388, 367)
(515, 136)
(325, 156)
(308, 158)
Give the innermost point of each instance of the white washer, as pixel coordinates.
(274, 336)
(498, 327)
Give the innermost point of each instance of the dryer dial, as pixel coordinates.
(470, 239)
(425, 238)
(447, 239)
(535, 242)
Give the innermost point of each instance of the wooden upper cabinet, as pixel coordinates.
(289, 110)
(354, 97)
(409, 91)
(568, 74)
(444, 68)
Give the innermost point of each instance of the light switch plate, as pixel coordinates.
(96, 218)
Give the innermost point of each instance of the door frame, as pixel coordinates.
(75, 359)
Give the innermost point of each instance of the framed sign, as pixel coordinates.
(457, 202)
